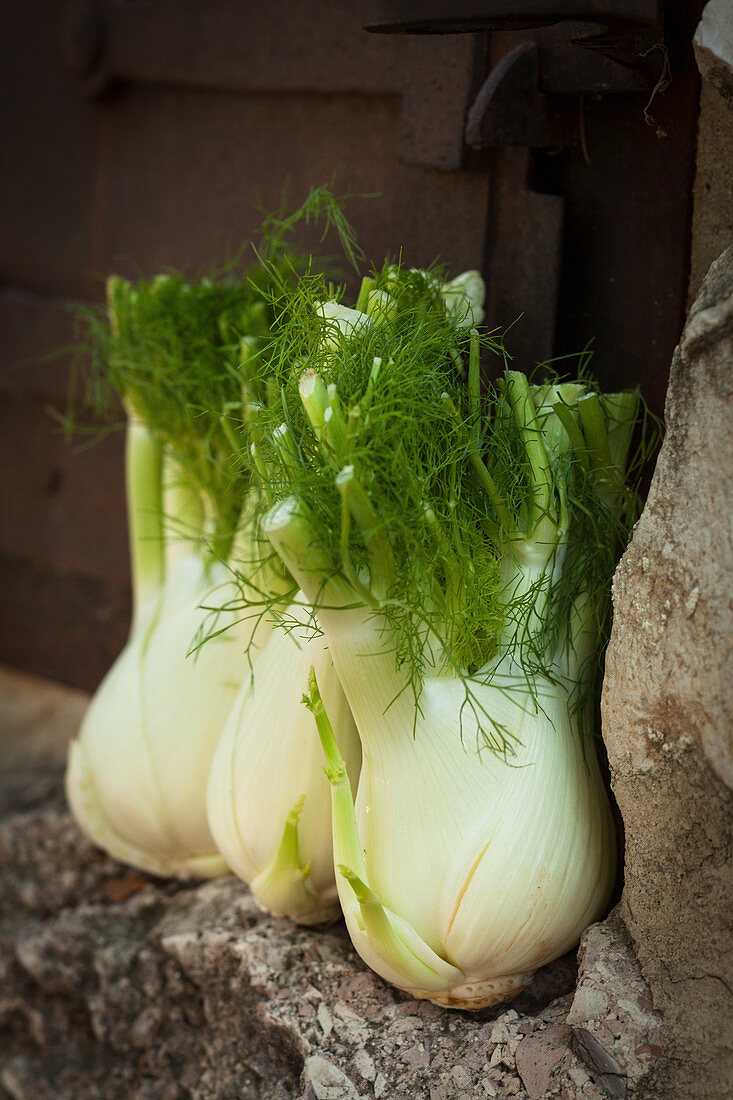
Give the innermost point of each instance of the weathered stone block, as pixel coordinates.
(668, 711)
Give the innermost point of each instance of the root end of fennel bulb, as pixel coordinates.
(473, 996)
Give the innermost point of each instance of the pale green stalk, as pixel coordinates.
(143, 481)
(183, 513)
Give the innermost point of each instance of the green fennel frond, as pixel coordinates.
(479, 526)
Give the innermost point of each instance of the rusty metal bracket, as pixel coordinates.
(575, 47)
(511, 110)
(547, 54)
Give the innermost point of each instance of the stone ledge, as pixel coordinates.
(118, 985)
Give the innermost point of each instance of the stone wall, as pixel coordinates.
(668, 710)
(712, 206)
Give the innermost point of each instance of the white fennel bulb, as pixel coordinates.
(138, 769)
(462, 872)
(457, 549)
(269, 801)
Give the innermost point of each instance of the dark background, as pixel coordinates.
(140, 136)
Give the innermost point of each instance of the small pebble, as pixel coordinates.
(325, 1020)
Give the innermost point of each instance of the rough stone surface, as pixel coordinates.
(613, 1021)
(116, 985)
(37, 720)
(601, 1040)
(712, 209)
(713, 44)
(668, 710)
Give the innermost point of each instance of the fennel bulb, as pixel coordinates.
(137, 773)
(138, 767)
(269, 804)
(137, 770)
(458, 552)
(461, 873)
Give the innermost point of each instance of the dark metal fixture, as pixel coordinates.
(562, 74)
(452, 16)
